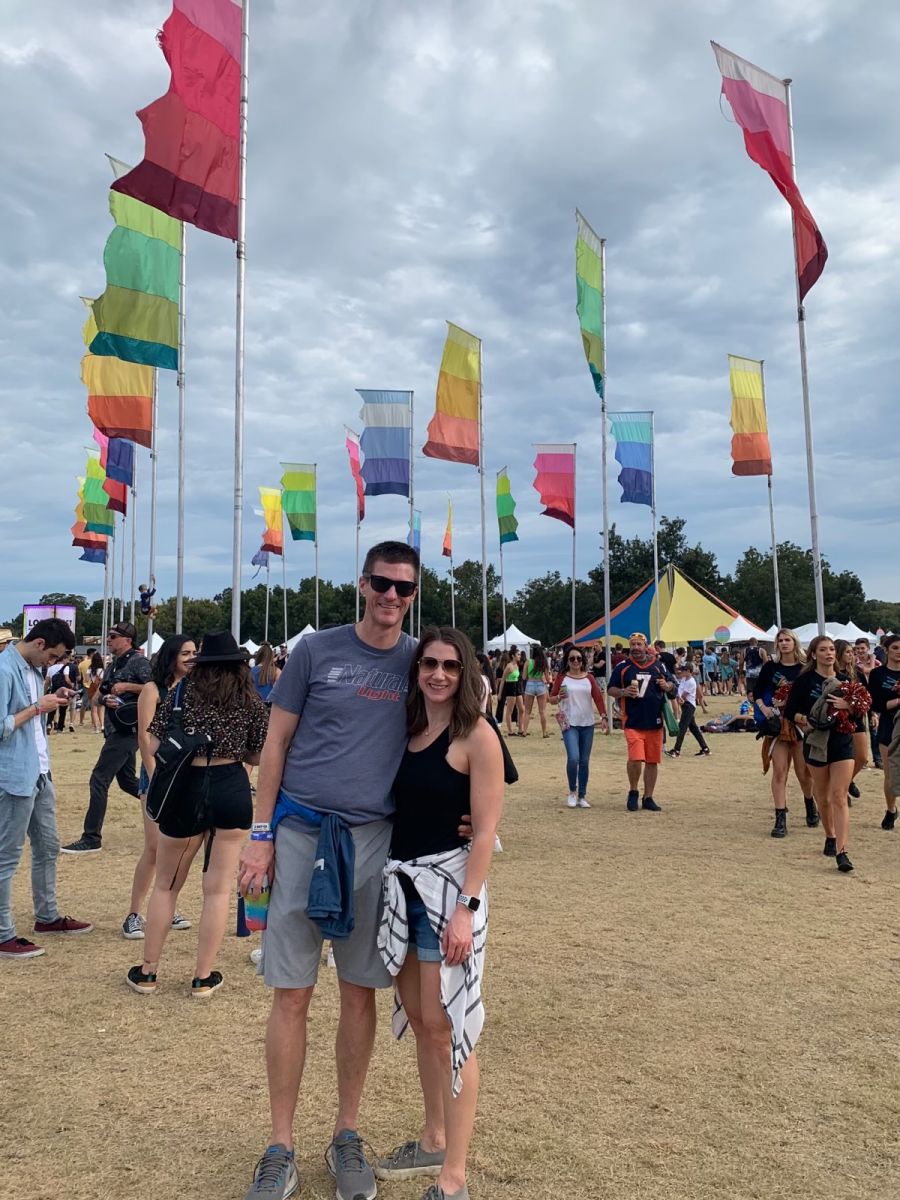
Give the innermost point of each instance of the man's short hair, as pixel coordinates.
(53, 631)
(391, 552)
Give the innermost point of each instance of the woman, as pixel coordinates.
(785, 748)
(575, 691)
(488, 682)
(219, 699)
(828, 752)
(884, 686)
(170, 665)
(726, 674)
(537, 682)
(845, 664)
(433, 932)
(265, 672)
(509, 693)
(96, 678)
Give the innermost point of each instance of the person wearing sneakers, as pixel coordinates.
(123, 681)
(641, 684)
(337, 733)
(171, 663)
(218, 698)
(27, 798)
(687, 698)
(884, 688)
(575, 691)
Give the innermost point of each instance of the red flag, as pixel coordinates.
(759, 102)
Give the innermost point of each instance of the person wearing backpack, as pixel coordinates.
(219, 704)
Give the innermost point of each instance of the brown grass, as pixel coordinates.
(677, 1007)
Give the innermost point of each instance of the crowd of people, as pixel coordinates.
(349, 734)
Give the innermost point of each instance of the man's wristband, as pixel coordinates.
(37, 708)
(267, 836)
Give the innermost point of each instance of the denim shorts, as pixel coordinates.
(422, 937)
(535, 687)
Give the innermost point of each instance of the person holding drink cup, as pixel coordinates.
(641, 683)
(575, 691)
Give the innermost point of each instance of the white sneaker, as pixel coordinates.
(572, 801)
(256, 955)
(180, 921)
(582, 803)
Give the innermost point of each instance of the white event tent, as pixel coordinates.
(513, 637)
(295, 640)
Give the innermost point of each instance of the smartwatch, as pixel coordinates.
(472, 903)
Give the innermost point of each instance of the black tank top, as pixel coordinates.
(431, 796)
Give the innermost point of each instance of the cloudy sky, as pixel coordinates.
(416, 162)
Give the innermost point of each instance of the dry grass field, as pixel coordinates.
(677, 1007)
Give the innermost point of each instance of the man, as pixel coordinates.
(664, 656)
(754, 657)
(27, 799)
(640, 684)
(337, 732)
(6, 639)
(123, 681)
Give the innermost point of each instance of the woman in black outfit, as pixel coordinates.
(884, 687)
(453, 765)
(831, 766)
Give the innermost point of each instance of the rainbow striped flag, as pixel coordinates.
(453, 431)
(555, 480)
(387, 417)
(506, 508)
(634, 452)
(273, 537)
(750, 449)
(414, 537)
(298, 499)
(589, 291)
(447, 548)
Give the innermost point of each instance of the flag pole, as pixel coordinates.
(241, 254)
(807, 412)
(502, 584)
(179, 553)
(656, 623)
(484, 587)
(604, 450)
(154, 405)
(268, 596)
(316, 543)
(762, 379)
(112, 578)
(412, 500)
(574, 478)
(452, 576)
(284, 570)
(104, 626)
(134, 470)
(122, 570)
(356, 576)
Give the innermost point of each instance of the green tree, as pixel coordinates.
(543, 607)
(752, 588)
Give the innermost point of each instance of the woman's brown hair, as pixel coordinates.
(467, 701)
(223, 685)
(265, 660)
(840, 649)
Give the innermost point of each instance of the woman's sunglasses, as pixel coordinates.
(450, 666)
(575, 658)
(382, 584)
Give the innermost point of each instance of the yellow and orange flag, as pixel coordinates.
(750, 448)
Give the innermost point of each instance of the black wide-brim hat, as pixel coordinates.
(220, 648)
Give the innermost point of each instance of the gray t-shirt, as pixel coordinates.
(351, 700)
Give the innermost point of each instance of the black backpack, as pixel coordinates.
(176, 752)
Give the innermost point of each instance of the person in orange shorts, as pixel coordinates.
(640, 684)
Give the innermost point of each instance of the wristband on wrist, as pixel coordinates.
(261, 827)
(268, 836)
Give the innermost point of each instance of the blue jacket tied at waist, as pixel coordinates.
(330, 900)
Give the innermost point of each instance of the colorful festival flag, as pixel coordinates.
(95, 510)
(385, 441)
(120, 394)
(93, 555)
(298, 499)
(750, 448)
(414, 537)
(590, 293)
(137, 315)
(447, 548)
(555, 480)
(453, 431)
(506, 508)
(634, 451)
(273, 537)
(759, 102)
(259, 560)
(351, 441)
(192, 133)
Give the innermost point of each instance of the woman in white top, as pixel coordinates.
(575, 692)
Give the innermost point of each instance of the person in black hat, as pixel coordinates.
(123, 681)
(217, 698)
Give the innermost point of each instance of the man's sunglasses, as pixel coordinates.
(382, 584)
(450, 666)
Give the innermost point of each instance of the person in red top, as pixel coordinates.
(574, 690)
(640, 684)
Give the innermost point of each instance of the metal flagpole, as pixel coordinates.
(762, 379)
(807, 413)
(179, 553)
(419, 603)
(502, 581)
(356, 576)
(134, 471)
(112, 577)
(656, 623)
(484, 588)
(316, 543)
(412, 502)
(574, 476)
(284, 573)
(104, 623)
(604, 441)
(268, 597)
(154, 430)
(241, 252)
(452, 576)
(122, 571)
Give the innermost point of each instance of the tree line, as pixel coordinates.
(542, 606)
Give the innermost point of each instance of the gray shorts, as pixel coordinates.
(292, 943)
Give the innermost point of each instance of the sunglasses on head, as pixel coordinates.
(450, 666)
(382, 584)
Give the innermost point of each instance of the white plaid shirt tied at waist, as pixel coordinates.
(438, 878)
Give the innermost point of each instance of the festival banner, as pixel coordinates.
(759, 102)
(453, 431)
(352, 442)
(120, 394)
(555, 480)
(633, 432)
(414, 538)
(192, 133)
(447, 548)
(506, 508)
(387, 417)
(750, 450)
(98, 516)
(137, 314)
(92, 556)
(298, 499)
(273, 537)
(589, 301)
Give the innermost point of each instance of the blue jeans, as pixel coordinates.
(578, 741)
(34, 815)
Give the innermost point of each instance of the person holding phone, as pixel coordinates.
(576, 691)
